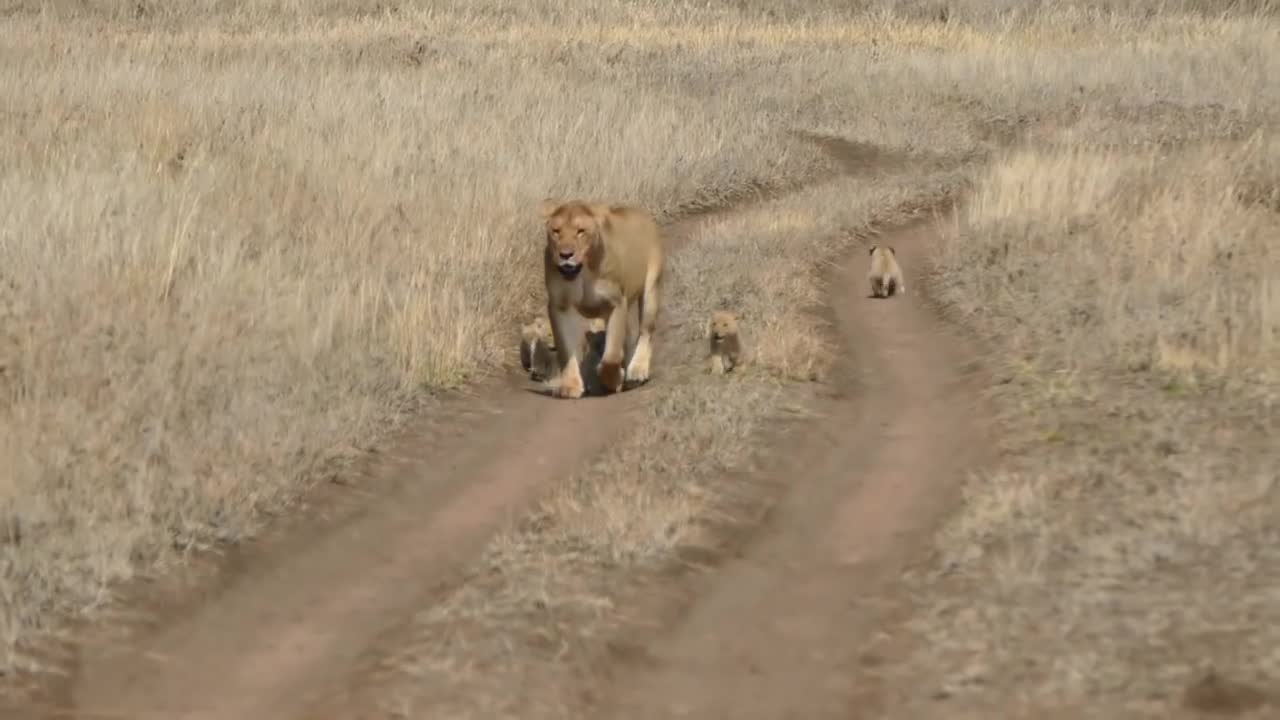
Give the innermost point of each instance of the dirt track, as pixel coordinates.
(293, 619)
(294, 612)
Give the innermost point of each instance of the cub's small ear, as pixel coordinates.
(892, 251)
(871, 249)
(547, 207)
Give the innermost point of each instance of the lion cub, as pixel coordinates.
(537, 346)
(535, 349)
(885, 275)
(725, 344)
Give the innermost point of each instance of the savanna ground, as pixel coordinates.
(241, 243)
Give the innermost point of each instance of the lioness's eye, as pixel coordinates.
(580, 231)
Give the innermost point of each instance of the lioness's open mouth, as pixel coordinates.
(570, 270)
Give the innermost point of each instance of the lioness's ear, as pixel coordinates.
(871, 249)
(601, 213)
(547, 207)
(892, 251)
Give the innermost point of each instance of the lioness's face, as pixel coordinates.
(571, 230)
(723, 325)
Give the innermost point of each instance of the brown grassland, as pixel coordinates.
(240, 241)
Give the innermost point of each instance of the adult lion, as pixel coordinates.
(604, 262)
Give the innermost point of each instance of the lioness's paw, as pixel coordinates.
(569, 388)
(611, 376)
(638, 370)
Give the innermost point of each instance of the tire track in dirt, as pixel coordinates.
(280, 620)
(290, 620)
(781, 631)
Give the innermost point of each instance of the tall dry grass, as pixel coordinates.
(228, 260)
(1162, 261)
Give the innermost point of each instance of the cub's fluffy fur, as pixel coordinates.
(537, 346)
(602, 262)
(725, 343)
(885, 275)
(536, 349)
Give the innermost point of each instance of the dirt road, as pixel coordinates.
(774, 635)
(283, 618)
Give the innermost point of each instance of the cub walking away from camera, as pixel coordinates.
(535, 349)
(726, 346)
(885, 275)
(604, 262)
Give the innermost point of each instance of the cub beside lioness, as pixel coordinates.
(535, 349)
(537, 346)
(605, 262)
(725, 344)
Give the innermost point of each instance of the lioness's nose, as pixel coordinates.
(566, 254)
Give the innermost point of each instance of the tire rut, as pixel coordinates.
(289, 620)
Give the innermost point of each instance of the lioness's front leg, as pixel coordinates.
(566, 326)
(633, 334)
(614, 337)
(638, 370)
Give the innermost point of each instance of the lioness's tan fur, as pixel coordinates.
(602, 262)
(724, 341)
(885, 275)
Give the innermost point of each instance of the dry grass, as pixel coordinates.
(265, 218)
(225, 261)
(1127, 544)
(540, 606)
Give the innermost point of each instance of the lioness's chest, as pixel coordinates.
(588, 295)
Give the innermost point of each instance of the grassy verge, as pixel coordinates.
(1121, 559)
(1125, 545)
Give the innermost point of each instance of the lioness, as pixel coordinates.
(604, 262)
